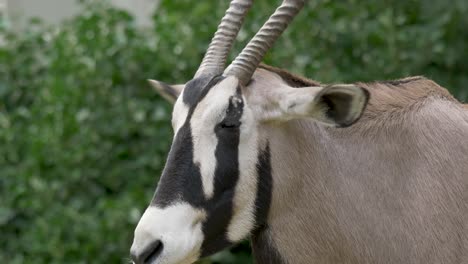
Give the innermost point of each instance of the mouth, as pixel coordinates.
(156, 258)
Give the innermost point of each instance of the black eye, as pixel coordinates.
(229, 125)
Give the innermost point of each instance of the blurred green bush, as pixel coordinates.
(83, 138)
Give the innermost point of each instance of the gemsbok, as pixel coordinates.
(342, 173)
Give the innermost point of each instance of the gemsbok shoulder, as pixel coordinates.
(342, 173)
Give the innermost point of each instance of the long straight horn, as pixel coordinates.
(248, 60)
(215, 58)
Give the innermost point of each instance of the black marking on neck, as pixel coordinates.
(264, 187)
(264, 248)
(262, 245)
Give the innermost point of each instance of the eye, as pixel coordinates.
(228, 125)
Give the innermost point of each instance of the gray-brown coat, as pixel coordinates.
(392, 188)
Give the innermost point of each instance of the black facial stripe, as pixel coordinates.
(220, 207)
(181, 179)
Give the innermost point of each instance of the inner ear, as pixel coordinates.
(167, 91)
(343, 104)
(337, 106)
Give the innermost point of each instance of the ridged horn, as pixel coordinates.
(215, 58)
(248, 60)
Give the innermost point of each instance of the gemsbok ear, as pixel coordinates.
(341, 105)
(168, 92)
(336, 105)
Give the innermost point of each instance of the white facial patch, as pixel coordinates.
(178, 227)
(208, 113)
(271, 99)
(179, 114)
(243, 219)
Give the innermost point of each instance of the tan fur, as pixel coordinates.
(291, 79)
(392, 188)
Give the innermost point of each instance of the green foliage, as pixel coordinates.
(83, 138)
(337, 41)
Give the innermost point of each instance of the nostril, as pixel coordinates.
(150, 253)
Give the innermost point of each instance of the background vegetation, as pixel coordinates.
(83, 138)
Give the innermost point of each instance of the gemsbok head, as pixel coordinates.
(261, 153)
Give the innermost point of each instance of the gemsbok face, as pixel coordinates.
(216, 187)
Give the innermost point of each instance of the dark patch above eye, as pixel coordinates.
(233, 112)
